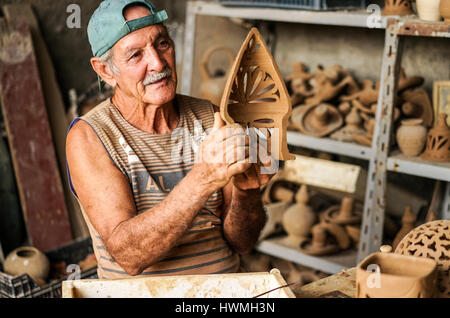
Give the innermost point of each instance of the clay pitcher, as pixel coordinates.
(299, 218)
(428, 10)
(411, 137)
(212, 86)
(444, 9)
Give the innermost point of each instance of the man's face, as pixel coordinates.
(140, 56)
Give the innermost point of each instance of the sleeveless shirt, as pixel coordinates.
(153, 165)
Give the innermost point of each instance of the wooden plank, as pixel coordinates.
(30, 139)
(55, 107)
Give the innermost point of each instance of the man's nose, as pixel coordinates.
(154, 60)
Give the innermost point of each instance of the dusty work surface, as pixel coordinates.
(340, 285)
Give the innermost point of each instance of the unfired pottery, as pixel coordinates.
(389, 275)
(431, 240)
(274, 214)
(354, 232)
(28, 260)
(397, 7)
(406, 82)
(411, 137)
(317, 121)
(320, 244)
(428, 10)
(444, 9)
(339, 233)
(408, 223)
(299, 218)
(343, 214)
(352, 127)
(418, 105)
(255, 94)
(212, 86)
(438, 141)
(367, 96)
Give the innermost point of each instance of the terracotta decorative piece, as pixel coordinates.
(274, 213)
(418, 105)
(397, 7)
(406, 82)
(343, 214)
(299, 83)
(212, 86)
(28, 260)
(444, 9)
(299, 218)
(389, 275)
(428, 10)
(255, 93)
(411, 137)
(325, 90)
(431, 240)
(339, 233)
(408, 223)
(320, 244)
(367, 96)
(353, 127)
(317, 121)
(438, 141)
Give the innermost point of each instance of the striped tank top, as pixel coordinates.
(153, 165)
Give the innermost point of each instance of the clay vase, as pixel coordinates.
(428, 10)
(408, 221)
(444, 9)
(411, 137)
(431, 240)
(438, 141)
(28, 260)
(299, 218)
(389, 275)
(397, 7)
(212, 86)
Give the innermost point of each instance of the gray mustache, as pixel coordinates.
(156, 76)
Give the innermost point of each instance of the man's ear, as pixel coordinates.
(104, 71)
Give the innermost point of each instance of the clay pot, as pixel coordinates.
(431, 240)
(408, 223)
(397, 7)
(28, 260)
(353, 127)
(428, 10)
(438, 141)
(299, 218)
(320, 244)
(411, 137)
(343, 214)
(389, 275)
(444, 9)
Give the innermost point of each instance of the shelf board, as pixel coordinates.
(417, 27)
(353, 150)
(351, 18)
(330, 264)
(416, 166)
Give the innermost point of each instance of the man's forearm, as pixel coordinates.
(144, 239)
(244, 219)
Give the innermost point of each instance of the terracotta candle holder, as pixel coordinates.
(389, 275)
(343, 214)
(438, 141)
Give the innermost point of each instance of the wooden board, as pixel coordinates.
(55, 107)
(30, 139)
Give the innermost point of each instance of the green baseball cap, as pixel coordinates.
(107, 24)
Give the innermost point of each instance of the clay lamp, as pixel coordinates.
(418, 105)
(320, 244)
(317, 121)
(367, 96)
(397, 7)
(343, 214)
(438, 141)
(353, 121)
(325, 90)
(405, 82)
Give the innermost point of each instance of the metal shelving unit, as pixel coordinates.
(378, 155)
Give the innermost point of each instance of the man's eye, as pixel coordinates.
(164, 44)
(134, 55)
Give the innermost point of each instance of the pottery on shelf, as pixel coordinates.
(352, 127)
(339, 233)
(299, 83)
(418, 105)
(397, 7)
(444, 9)
(431, 240)
(367, 96)
(408, 223)
(320, 244)
(406, 82)
(411, 137)
(343, 214)
(212, 85)
(274, 214)
(428, 10)
(299, 218)
(438, 141)
(354, 232)
(28, 260)
(390, 275)
(317, 121)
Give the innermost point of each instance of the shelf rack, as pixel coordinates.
(380, 160)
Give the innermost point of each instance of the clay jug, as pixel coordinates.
(411, 137)
(28, 260)
(299, 218)
(428, 10)
(212, 86)
(444, 9)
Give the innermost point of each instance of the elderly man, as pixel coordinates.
(148, 212)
